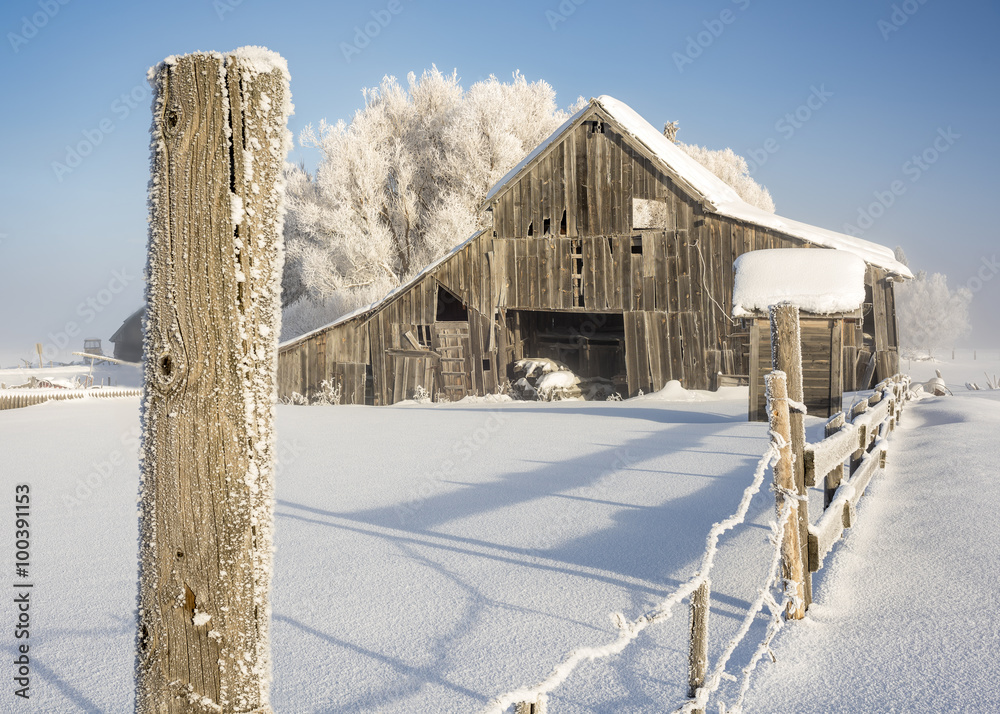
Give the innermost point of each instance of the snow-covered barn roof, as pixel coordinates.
(715, 194)
(823, 282)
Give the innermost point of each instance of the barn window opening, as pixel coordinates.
(424, 335)
(450, 307)
(486, 365)
(636, 245)
(562, 224)
(649, 213)
(546, 226)
(531, 228)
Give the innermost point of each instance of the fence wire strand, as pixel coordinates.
(631, 629)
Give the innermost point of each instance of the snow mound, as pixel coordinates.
(673, 392)
(823, 282)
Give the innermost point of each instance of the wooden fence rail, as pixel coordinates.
(864, 442)
(19, 398)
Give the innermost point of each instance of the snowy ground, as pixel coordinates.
(429, 558)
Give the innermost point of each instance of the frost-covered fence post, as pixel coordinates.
(698, 652)
(219, 141)
(793, 569)
(536, 707)
(786, 356)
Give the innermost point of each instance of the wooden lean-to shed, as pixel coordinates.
(828, 288)
(610, 250)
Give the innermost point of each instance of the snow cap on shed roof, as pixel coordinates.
(823, 282)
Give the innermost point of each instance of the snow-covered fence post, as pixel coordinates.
(537, 707)
(793, 569)
(219, 141)
(698, 652)
(786, 356)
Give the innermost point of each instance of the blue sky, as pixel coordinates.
(839, 102)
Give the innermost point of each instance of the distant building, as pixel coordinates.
(128, 338)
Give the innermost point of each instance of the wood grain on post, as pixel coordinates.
(792, 568)
(219, 141)
(786, 356)
(698, 653)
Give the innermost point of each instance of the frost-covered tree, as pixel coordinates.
(929, 314)
(401, 184)
(731, 168)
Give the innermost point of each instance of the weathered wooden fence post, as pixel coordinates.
(219, 141)
(786, 356)
(793, 569)
(698, 652)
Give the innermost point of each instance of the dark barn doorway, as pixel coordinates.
(590, 344)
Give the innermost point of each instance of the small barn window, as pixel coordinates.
(531, 228)
(562, 224)
(486, 365)
(649, 213)
(450, 307)
(546, 226)
(636, 245)
(424, 335)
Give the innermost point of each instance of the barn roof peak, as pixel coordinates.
(713, 193)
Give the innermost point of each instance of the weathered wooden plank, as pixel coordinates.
(631, 349)
(583, 207)
(656, 339)
(211, 341)
(660, 277)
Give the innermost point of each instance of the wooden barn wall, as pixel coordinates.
(596, 261)
(339, 354)
(822, 363)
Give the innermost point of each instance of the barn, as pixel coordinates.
(610, 250)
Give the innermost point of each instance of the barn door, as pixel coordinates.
(451, 341)
(412, 370)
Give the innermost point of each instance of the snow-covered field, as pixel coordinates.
(431, 557)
